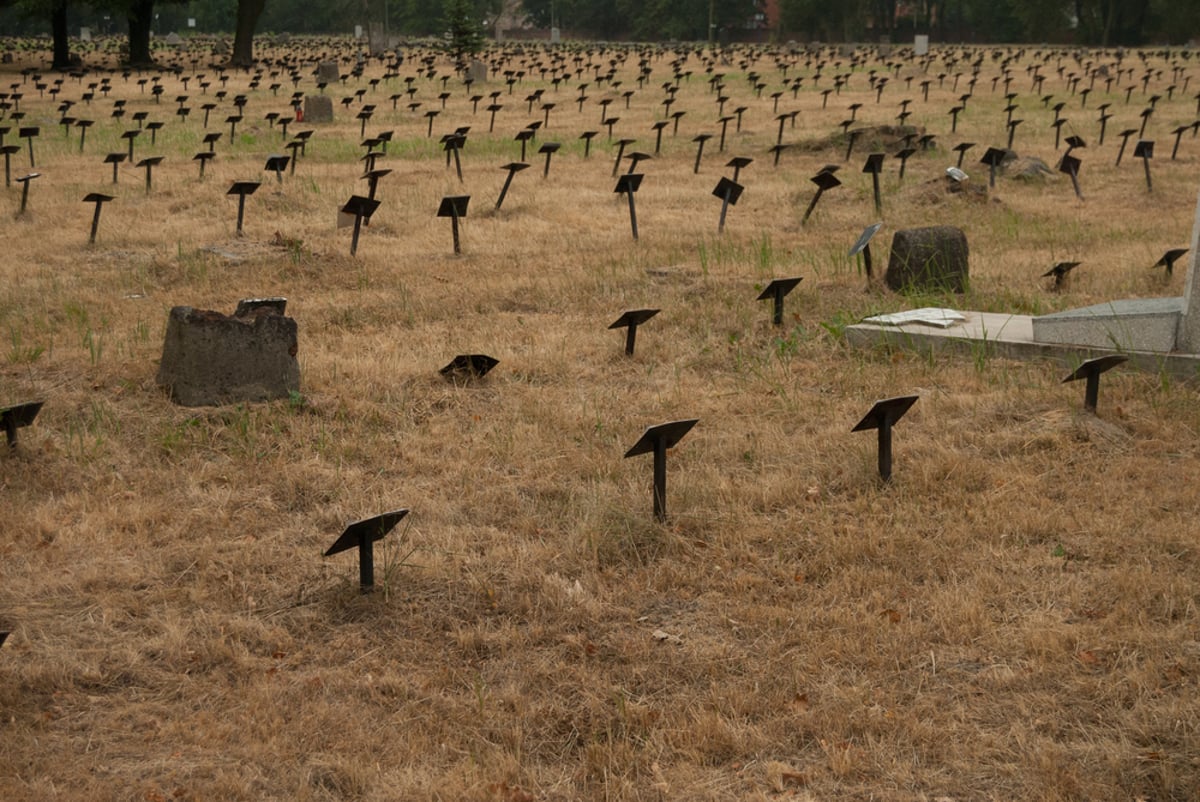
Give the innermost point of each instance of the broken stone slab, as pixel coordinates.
(318, 109)
(210, 359)
(1148, 324)
(928, 259)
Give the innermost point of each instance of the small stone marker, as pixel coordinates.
(881, 417)
(18, 417)
(630, 321)
(327, 73)
(318, 109)
(1091, 371)
(469, 366)
(99, 200)
(212, 359)
(362, 536)
(454, 207)
(776, 291)
(656, 440)
(933, 258)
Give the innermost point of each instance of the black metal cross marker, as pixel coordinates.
(241, 189)
(17, 417)
(24, 182)
(362, 535)
(454, 207)
(728, 191)
(1070, 166)
(628, 184)
(99, 200)
(863, 246)
(469, 366)
(656, 440)
(824, 180)
(1060, 271)
(1144, 150)
(630, 320)
(1091, 371)
(1169, 258)
(776, 291)
(277, 164)
(882, 416)
(513, 168)
(356, 211)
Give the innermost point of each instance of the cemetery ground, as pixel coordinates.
(1013, 616)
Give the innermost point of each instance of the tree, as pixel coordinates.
(463, 28)
(140, 18)
(248, 12)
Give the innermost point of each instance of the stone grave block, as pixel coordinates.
(933, 258)
(211, 359)
(477, 72)
(327, 72)
(318, 109)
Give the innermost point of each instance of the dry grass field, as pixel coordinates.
(1014, 616)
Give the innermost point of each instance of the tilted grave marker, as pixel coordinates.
(656, 440)
(881, 417)
(362, 535)
(629, 183)
(630, 320)
(241, 189)
(1091, 370)
(354, 213)
(1060, 272)
(775, 292)
(468, 367)
(99, 200)
(824, 180)
(18, 417)
(454, 207)
(863, 245)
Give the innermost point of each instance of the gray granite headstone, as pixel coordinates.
(318, 109)
(477, 72)
(211, 359)
(928, 259)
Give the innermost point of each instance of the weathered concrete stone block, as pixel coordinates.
(318, 109)
(327, 72)
(933, 258)
(211, 359)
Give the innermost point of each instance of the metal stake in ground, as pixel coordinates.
(1144, 150)
(357, 210)
(467, 367)
(1169, 258)
(18, 417)
(241, 189)
(454, 207)
(656, 440)
(776, 291)
(962, 149)
(881, 417)
(700, 139)
(587, 137)
(728, 191)
(629, 183)
(513, 168)
(150, 162)
(99, 200)
(621, 145)
(28, 134)
(863, 246)
(874, 166)
(630, 321)
(1059, 272)
(548, 148)
(993, 158)
(1128, 132)
(824, 180)
(8, 151)
(277, 164)
(1070, 165)
(24, 182)
(739, 163)
(1091, 371)
(362, 535)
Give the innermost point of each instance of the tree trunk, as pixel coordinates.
(141, 17)
(62, 45)
(248, 12)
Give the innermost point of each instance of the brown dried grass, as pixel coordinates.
(1014, 616)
